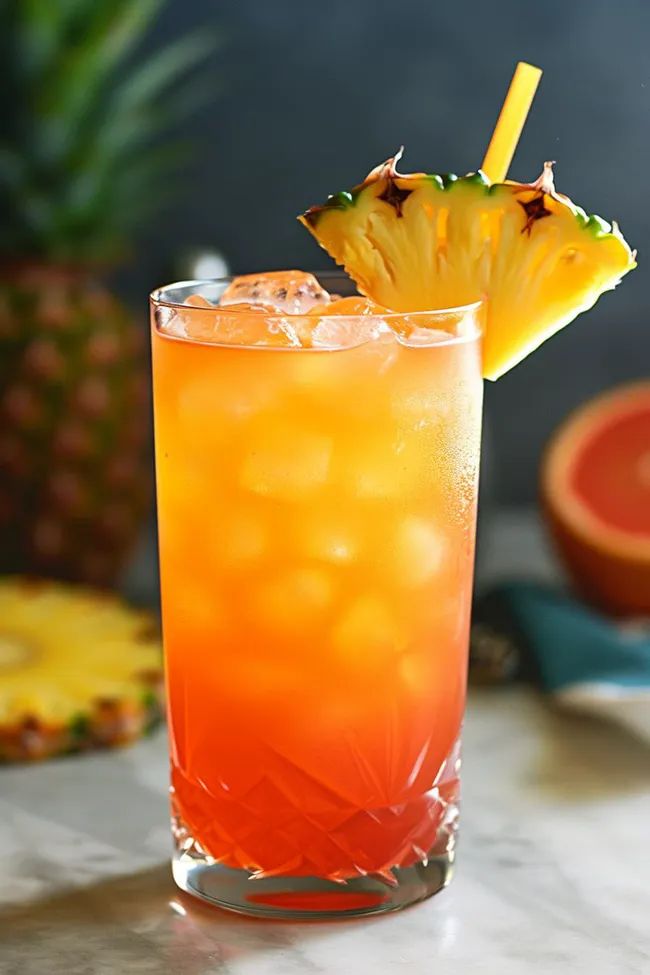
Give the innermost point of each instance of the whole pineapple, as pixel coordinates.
(77, 173)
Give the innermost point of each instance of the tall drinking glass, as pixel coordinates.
(316, 515)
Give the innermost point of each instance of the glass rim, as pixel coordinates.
(156, 297)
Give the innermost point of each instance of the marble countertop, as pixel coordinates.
(553, 869)
(553, 872)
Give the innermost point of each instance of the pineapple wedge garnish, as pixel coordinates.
(414, 242)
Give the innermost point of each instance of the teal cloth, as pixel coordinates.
(585, 660)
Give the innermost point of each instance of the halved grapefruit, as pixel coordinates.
(596, 495)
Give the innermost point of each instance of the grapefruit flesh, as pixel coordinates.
(612, 475)
(596, 494)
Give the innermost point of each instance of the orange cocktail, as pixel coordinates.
(317, 503)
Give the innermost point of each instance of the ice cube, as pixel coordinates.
(241, 540)
(425, 328)
(208, 406)
(170, 322)
(367, 635)
(291, 292)
(198, 301)
(352, 305)
(241, 324)
(345, 323)
(419, 553)
(423, 394)
(380, 469)
(181, 322)
(416, 672)
(286, 465)
(342, 333)
(327, 536)
(422, 337)
(294, 598)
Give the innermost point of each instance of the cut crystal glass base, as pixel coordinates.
(312, 897)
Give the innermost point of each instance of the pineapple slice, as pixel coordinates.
(77, 669)
(417, 242)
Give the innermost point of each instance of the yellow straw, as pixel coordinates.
(511, 121)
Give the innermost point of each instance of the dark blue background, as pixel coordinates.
(315, 93)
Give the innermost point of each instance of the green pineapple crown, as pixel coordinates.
(81, 157)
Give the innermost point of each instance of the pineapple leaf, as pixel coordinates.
(39, 42)
(136, 112)
(162, 69)
(41, 28)
(11, 169)
(99, 213)
(79, 149)
(193, 95)
(151, 180)
(109, 35)
(78, 76)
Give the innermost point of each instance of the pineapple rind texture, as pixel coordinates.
(78, 669)
(74, 427)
